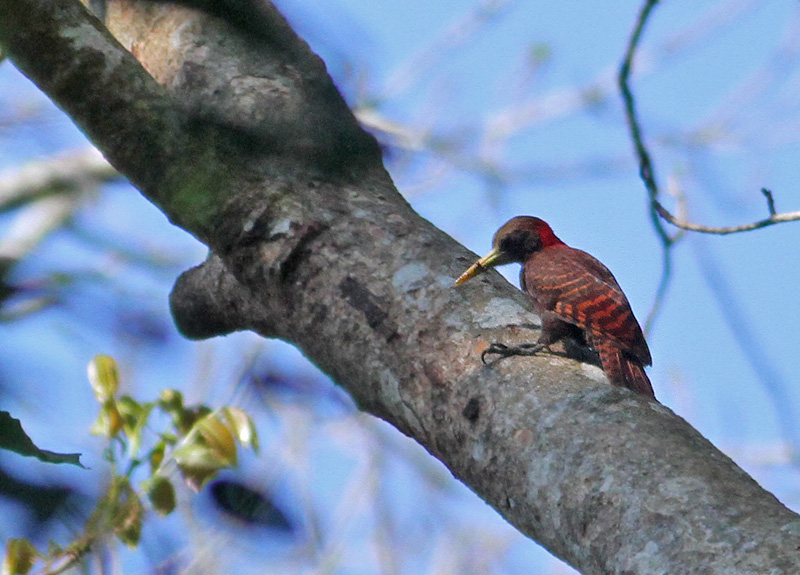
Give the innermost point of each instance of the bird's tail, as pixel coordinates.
(624, 370)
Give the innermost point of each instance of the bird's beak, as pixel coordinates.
(483, 264)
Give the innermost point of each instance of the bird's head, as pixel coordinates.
(515, 241)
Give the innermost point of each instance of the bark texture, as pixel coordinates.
(242, 140)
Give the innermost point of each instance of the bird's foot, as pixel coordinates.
(504, 350)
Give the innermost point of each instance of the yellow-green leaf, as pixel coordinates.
(170, 399)
(157, 455)
(134, 418)
(20, 555)
(218, 438)
(128, 514)
(109, 421)
(198, 464)
(129, 409)
(242, 426)
(185, 419)
(104, 377)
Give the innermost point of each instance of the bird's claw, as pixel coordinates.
(504, 350)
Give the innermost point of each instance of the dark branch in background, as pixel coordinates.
(647, 173)
(646, 169)
(43, 501)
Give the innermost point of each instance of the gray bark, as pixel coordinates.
(243, 141)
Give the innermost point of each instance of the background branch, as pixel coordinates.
(647, 170)
(648, 175)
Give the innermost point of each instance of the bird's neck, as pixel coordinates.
(548, 238)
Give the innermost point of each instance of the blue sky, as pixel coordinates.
(717, 96)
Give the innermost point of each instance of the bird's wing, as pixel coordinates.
(582, 291)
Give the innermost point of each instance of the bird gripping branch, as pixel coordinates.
(575, 295)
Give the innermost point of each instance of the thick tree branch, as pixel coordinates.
(311, 243)
(140, 128)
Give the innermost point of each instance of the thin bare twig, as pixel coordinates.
(774, 218)
(646, 169)
(647, 172)
(770, 201)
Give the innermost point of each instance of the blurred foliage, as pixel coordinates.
(197, 441)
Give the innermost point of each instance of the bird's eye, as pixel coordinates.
(519, 244)
(507, 244)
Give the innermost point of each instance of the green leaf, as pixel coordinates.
(218, 438)
(20, 555)
(161, 494)
(242, 426)
(185, 419)
(121, 510)
(129, 409)
(156, 455)
(170, 400)
(198, 464)
(129, 525)
(104, 377)
(134, 418)
(109, 420)
(14, 438)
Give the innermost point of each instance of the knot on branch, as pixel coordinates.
(207, 301)
(212, 299)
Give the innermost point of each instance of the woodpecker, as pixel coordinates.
(575, 295)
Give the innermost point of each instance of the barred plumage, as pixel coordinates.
(571, 288)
